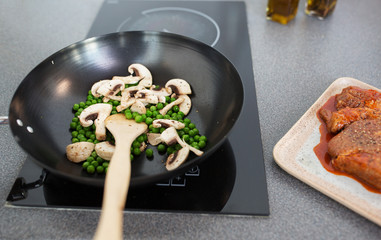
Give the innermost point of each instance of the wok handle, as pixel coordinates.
(4, 120)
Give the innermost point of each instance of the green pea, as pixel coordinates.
(82, 131)
(94, 163)
(74, 140)
(196, 138)
(162, 129)
(181, 114)
(100, 169)
(149, 113)
(115, 103)
(136, 151)
(74, 134)
(181, 133)
(155, 113)
(186, 138)
(94, 101)
(191, 125)
(73, 125)
(186, 129)
(201, 144)
(88, 133)
(134, 114)
(105, 164)
(135, 144)
(131, 157)
(167, 99)
(187, 120)
(93, 137)
(170, 112)
(160, 106)
(166, 116)
(128, 115)
(94, 154)
(75, 119)
(149, 152)
(149, 120)
(173, 99)
(170, 150)
(178, 147)
(113, 112)
(98, 159)
(89, 140)
(140, 139)
(138, 119)
(175, 108)
(203, 138)
(85, 165)
(76, 107)
(194, 144)
(155, 130)
(161, 148)
(195, 130)
(159, 116)
(152, 108)
(90, 97)
(90, 169)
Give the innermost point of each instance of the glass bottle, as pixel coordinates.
(320, 8)
(281, 11)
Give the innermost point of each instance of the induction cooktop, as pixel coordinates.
(232, 180)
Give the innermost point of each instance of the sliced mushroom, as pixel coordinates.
(96, 114)
(146, 97)
(166, 123)
(165, 109)
(170, 137)
(105, 150)
(154, 138)
(143, 146)
(96, 86)
(142, 72)
(128, 79)
(127, 103)
(194, 150)
(179, 86)
(79, 151)
(186, 105)
(161, 92)
(110, 89)
(138, 107)
(177, 158)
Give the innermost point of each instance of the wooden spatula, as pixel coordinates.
(125, 131)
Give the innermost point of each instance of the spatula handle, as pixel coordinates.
(115, 193)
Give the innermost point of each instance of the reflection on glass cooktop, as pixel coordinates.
(231, 181)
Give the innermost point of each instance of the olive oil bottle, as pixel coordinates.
(281, 11)
(320, 8)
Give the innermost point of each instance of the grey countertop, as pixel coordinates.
(293, 64)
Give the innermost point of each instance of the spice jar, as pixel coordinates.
(320, 8)
(281, 11)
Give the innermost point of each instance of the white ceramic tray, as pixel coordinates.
(294, 153)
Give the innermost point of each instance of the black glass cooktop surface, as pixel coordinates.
(232, 180)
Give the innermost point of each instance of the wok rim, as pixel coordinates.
(141, 180)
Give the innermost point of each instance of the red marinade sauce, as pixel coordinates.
(321, 150)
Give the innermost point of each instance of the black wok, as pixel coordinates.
(41, 109)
